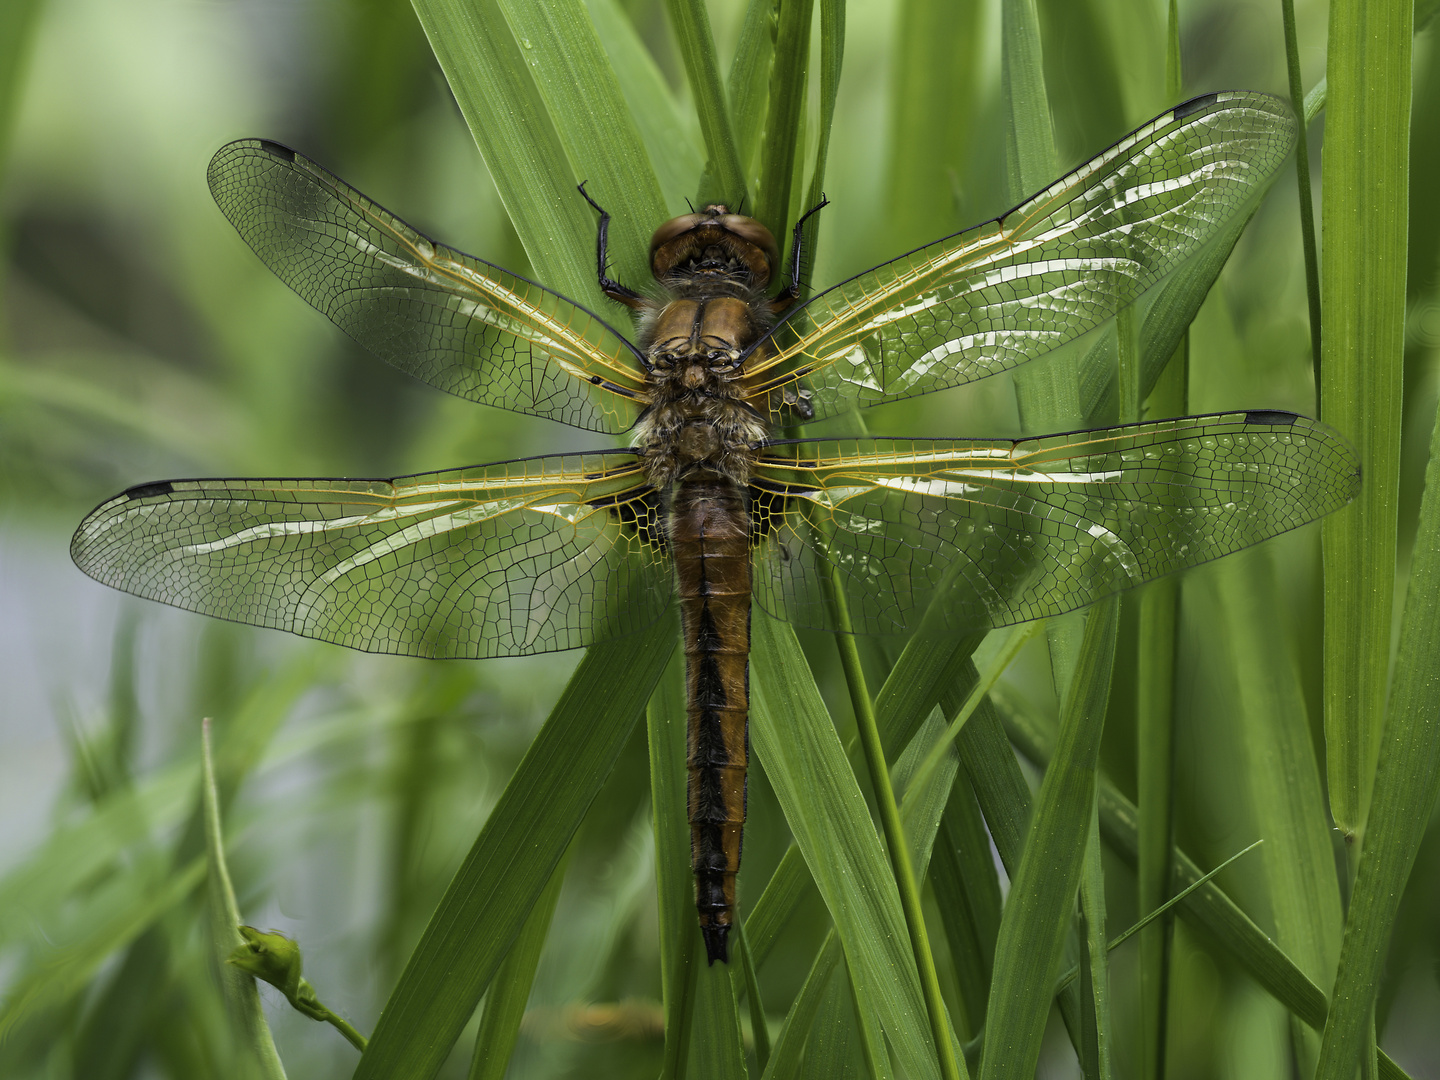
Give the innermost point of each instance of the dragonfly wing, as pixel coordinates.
(455, 321)
(1000, 532)
(993, 297)
(497, 560)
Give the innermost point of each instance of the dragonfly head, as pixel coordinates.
(714, 243)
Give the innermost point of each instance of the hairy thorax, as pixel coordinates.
(698, 416)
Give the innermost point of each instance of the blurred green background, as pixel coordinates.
(140, 339)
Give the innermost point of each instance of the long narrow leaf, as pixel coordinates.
(784, 119)
(934, 109)
(255, 1046)
(967, 892)
(748, 84)
(668, 139)
(510, 990)
(1096, 993)
(583, 99)
(724, 179)
(515, 854)
(1363, 296)
(789, 1056)
(1406, 785)
(1042, 894)
(665, 725)
(807, 766)
(1284, 779)
(1207, 908)
(935, 662)
(490, 78)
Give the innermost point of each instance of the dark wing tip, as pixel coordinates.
(1194, 105)
(145, 491)
(279, 150)
(1273, 417)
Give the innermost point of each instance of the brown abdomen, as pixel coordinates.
(710, 538)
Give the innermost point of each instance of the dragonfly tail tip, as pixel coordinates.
(715, 943)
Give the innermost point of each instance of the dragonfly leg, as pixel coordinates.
(788, 295)
(608, 285)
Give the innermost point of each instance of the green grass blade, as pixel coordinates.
(901, 860)
(788, 1059)
(668, 139)
(1302, 177)
(1283, 776)
(1000, 786)
(784, 893)
(18, 21)
(254, 1045)
(1016, 639)
(784, 119)
(928, 668)
(1030, 160)
(724, 179)
(583, 97)
(747, 976)
(748, 84)
(716, 1049)
(832, 54)
(933, 667)
(1315, 103)
(934, 109)
(490, 75)
(515, 854)
(967, 892)
(1367, 125)
(1042, 894)
(665, 725)
(79, 853)
(1406, 784)
(828, 969)
(1048, 394)
(1174, 73)
(1125, 935)
(510, 989)
(807, 767)
(245, 733)
(1207, 908)
(1095, 994)
(120, 914)
(1155, 660)
(833, 1050)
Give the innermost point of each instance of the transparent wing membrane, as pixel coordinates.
(989, 299)
(498, 560)
(455, 321)
(554, 553)
(1000, 532)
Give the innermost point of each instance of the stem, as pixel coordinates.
(340, 1024)
(894, 835)
(1302, 175)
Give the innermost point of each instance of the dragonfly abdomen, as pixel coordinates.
(710, 540)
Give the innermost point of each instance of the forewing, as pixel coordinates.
(498, 560)
(455, 321)
(988, 299)
(994, 533)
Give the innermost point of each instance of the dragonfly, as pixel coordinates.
(709, 507)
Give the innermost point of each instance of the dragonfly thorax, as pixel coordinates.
(698, 414)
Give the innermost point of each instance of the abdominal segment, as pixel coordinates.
(709, 534)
